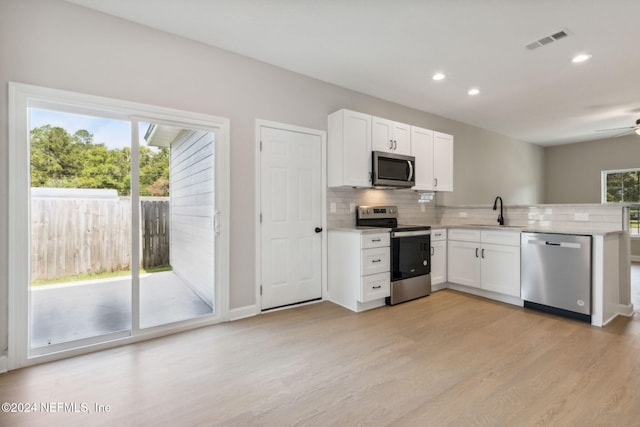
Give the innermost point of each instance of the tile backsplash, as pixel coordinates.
(595, 217)
(409, 210)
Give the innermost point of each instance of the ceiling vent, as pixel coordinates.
(548, 39)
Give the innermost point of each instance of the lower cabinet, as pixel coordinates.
(359, 275)
(438, 258)
(485, 259)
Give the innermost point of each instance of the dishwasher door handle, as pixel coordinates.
(571, 245)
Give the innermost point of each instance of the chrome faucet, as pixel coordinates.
(495, 207)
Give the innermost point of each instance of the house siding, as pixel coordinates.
(192, 209)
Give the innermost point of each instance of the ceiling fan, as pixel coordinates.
(628, 129)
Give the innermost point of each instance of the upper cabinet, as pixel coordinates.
(422, 150)
(349, 149)
(434, 159)
(353, 136)
(390, 136)
(442, 161)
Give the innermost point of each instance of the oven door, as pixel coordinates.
(410, 254)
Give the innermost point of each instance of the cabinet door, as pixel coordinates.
(349, 149)
(422, 150)
(463, 263)
(401, 139)
(443, 161)
(438, 262)
(501, 269)
(382, 135)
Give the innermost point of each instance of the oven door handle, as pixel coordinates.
(397, 234)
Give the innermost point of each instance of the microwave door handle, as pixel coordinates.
(410, 170)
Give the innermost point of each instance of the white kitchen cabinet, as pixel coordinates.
(359, 269)
(500, 269)
(464, 263)
(434, 159)
(390, 136)
(485, 259)
(438, 257)
(422, 150)
(349, 149)
(442, 161)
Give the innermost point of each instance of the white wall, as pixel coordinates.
(59, 45)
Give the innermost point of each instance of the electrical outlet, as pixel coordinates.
(332, 207)
(462, 214)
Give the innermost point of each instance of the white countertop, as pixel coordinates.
(524, 228)
(361, 230)
(531, 229)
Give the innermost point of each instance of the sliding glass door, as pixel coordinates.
(122, 232)
(81, 229)
(177, 213)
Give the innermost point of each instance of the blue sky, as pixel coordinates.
(113, 133)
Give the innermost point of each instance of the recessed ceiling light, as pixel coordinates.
(474, 91)
(438, 76)
(581, 58)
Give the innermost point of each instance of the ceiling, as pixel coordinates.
(390, 49)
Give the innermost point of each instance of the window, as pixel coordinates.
(623, 186)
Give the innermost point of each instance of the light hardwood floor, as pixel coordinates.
(450, 359)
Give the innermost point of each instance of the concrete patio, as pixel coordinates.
(80, 310)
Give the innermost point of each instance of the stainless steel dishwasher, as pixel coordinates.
(555, 273)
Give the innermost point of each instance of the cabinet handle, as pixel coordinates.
(376, 240)
(395, 144)
(433, 251)
(377, 287)
(483, 253)
(476, 252)
(437, 234)
(376, 260)
(435, 182)
(391, 144)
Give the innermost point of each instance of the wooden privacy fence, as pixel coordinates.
(71, 236)
(154, 223)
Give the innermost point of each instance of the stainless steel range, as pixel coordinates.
(410, 252)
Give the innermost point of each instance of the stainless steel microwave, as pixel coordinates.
(392, 170)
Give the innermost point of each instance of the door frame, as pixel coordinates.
(260, 123)
(21, 96)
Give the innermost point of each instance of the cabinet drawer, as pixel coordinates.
(499, 237)
(438, 234)
(375, 260)
(464, 234)
(374, 287)
(375, 240)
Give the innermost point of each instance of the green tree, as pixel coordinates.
(56, 156)
(59, 159)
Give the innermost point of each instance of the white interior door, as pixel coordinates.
(291, 211)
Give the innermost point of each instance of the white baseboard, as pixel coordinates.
(625, 309)
(4, 363)
(439, 286)
(242, 312)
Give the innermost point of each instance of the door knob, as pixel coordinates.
(318, 229)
